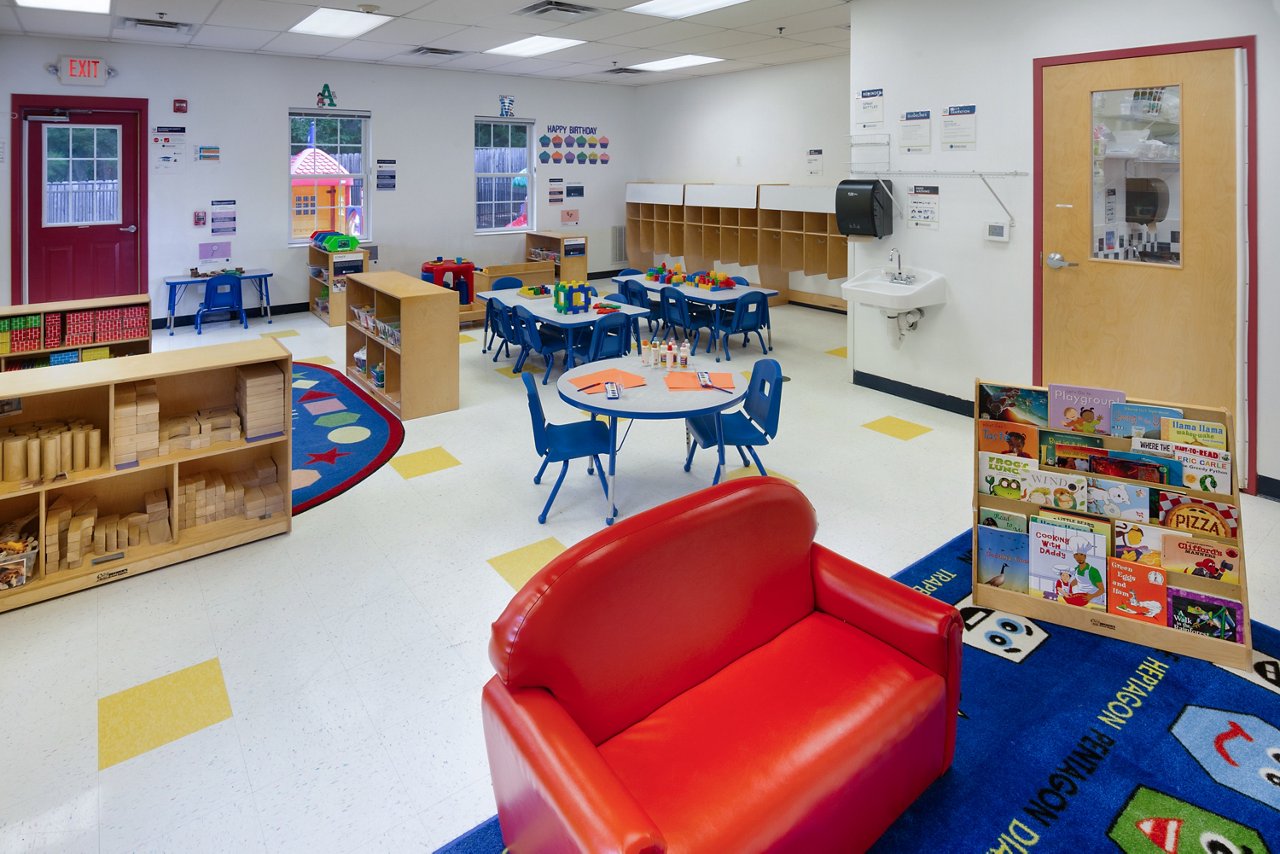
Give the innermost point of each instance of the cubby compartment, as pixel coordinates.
(792, 250)
(327, 281)
(729, 245)
(230, 494)
(815, 254)
(27, 466)
(815, 223)
(770, 219)
(661, 237)
(792, 220)
(20, 524)
(85, 518)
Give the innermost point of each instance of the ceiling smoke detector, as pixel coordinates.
(557, 10)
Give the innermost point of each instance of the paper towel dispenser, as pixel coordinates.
(864, 208)
(1146, 200)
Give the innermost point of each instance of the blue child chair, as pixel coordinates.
(501, 283)
(755, 424)
(560, 443)
(609, 337)
(749, 314)
(533, 341)
(501, 328)
(638, 295)
(221, 294)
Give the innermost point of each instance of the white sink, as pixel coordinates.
(885, 289)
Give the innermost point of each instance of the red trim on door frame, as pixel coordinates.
(1249, 45)
(21, 103)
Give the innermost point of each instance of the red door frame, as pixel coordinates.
(1249, 45)
(24, 103)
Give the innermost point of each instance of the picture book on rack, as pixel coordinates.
(1100, 527)
(1197, 467)
(1205, 558)
(1002, 475)
(1077, 457)
(1139, 419)
(1082, 408)
(1049, 441)
(1052, 489)
(1067, 564)
(1005, 519)
(1002, 559)
(1008, 438)
(1187, 513)
(1202, 614)
(1210, 434)
(1118, 500)
(1138, 591)
(1165, 469)
(1112, 466)
(1011, 403)
(1140, 542)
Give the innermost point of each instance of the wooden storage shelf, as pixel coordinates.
(326, 302)
(569, 251)
(198, 378)
(111, 318)
(420, 375)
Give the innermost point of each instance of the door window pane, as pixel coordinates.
(82, 175)
(1137, 175)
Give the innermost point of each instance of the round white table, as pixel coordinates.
(651, 401)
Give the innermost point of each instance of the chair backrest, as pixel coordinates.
(749, 312)
(503, 283)
(630, 271)
(222, 291)
(637, 293)
(536, 414)
(675, 307)
(609, 337)
(740, 280)
(499, 317)
(528, 328)
(645, 609)
(764, 395)
(616, 298)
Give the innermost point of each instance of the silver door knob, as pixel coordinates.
(1057, 262)
(131, 229)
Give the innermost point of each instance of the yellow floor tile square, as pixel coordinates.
(423, 462)
(840, 352)
(283, 333)
(464, 338)
(752, 471)
(518, 566)
(315, 360)
(897, 428)
(529, 368)
(163, 710)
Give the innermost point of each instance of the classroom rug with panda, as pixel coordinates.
(1074, 742)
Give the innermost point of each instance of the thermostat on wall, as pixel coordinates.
(997, 231)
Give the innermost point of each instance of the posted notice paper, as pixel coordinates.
(915, 132)
(960, 128)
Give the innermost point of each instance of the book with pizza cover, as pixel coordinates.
(1205, 558)
(1082, 409)
(1137, 591)
(1008, 438)
(1202, 614)
(1142, 542)
(1199, 516)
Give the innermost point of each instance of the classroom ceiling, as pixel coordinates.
(753, 34)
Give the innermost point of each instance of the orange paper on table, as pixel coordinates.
(594, 383)
(688, 381)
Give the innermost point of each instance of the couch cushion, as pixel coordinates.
(814, 741)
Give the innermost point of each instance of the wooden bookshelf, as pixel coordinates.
(1219, 651)
(567, 251)
(93, 394)
(111, 335)
(327, 296)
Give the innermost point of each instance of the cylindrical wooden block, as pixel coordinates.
(50, 456)
(33, 458)
(79, 450)
(95, 448)
(65, 451)
(15, 459)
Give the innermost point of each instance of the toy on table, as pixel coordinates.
(461, 270)
(535, 291)
(713, 281)
(573, 297)
(666, 276)
(606, 308)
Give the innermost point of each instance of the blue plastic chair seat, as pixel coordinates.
(578, 439)
(755, 424)
(738, 430)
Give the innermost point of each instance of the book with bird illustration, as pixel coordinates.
(1002, 559)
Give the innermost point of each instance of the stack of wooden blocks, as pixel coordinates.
(135, 423)
(212, 496)
(262, 495)
(260, 398)
(74, 530)
(157, 509)
(47, 450)
(193, 432)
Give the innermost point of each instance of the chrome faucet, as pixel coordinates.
(895, 257)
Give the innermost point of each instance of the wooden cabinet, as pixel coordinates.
(409, 329)
(530, 273)
(327, 281)
(159, 470)
(59, 333)
(567, 251)
(798, 233)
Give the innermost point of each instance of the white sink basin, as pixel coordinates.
(883, 288)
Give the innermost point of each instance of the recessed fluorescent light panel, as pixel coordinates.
(98, 7)
(533, 46)
(686, 61)
(338, 23)
(680, 8)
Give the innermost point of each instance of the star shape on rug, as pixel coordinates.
(330, 456)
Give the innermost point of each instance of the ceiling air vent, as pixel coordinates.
(435, 51)
(176, 27)
(625, 71)
(556, 10)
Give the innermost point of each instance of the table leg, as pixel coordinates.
(264, 297)
(569, 361)
(175, 291)
(610, 510)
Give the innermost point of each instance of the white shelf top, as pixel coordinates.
(789, 197)
(656, 194)
(720, 195)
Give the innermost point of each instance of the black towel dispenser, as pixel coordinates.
(864, 208)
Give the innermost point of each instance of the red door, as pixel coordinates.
(82, 230)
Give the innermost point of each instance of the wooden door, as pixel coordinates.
(1164, 328)
(82, 215)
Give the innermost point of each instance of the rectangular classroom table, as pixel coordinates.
(715, 299)
(544, 310)
(256, 276)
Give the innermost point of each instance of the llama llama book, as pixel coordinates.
(1011, 403)
(1082, 408)
(1137, 591)
(1205, 558)
(1008, 438)
(1202, 614)
(1210, 434)
(1066, 563)
(1139, 542)
(1139, 419)
(1002, 475)
(1002, 559)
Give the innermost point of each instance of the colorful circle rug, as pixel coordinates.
(341, 435)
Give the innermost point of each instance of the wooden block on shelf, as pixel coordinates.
(106, 531)
(158, 532)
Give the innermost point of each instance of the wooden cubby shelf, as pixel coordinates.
(72, 331)
(327, 296)
(567, 251)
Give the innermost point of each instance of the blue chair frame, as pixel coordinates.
(221, 293)
(501, 327)
(532, 341)
(755, 424)
(749, 314)
(638, 295)
(560, 443)
(502, 283)
(610, 337)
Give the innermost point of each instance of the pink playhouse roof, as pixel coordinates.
(313, 161)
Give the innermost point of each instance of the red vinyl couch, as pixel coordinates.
(704, 677)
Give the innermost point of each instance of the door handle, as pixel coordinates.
(131, 229)
(1057, 262)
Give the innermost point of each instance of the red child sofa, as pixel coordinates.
(704, 677)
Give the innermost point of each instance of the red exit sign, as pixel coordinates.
(82, 70)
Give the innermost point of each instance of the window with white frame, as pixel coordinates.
(328, 173)
(504, 175)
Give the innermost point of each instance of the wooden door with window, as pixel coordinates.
(80, 200)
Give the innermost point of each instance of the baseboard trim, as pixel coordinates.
(836, 305)
(190, 319)
(928, 397)
(1269, 487)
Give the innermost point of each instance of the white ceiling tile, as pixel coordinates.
(182, 11)
(713, 41)
(258, 15)
(368, 51)
(605, 26)
(475, 61)
(756, 47)
(518, 24)
(637, 56)
(415, 60)
(298, 44)
(530, 65)
(9, 21)
(832, 16)
(596, 53)
(64, 23)
(150, 35)
(573, 69)
(802, 54)
(826, 35)
(467, 12)
(729, 66)
(474, 39)
(758, 11)
(231, 38)
(661, 35)
(409, 31)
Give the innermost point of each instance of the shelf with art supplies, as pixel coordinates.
(331, 257)
(1111, 515)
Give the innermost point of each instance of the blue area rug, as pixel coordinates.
(1079, 743)
(341, 435)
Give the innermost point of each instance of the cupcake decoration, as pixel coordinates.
(556, 141)
(556, 157)
(604, 142)
(604, 158)
(544, 140)
(582, 157)
(544, 156)
(569, 141)
(582, 141)
(592, 142)
(593, 158)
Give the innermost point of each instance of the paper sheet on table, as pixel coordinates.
(599, 378)
(688, 380)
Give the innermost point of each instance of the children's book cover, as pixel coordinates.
(1167, 469)
(1002, 475)
(1137, 591)
(1140, 542)
(1076, 457)
(1067, 564)
(1004, 519)
(1202, 614)
(1205, 558)
(1011, 403)
(1210, 434)
(1049, 441)
(1052, 489)
(1100, 527)
(1111, 466)
(1187, 513)
(1139, 419)
(1082, 408)
(1008, 438)
(1205, 469)
(1118, 500)
(1002, 559)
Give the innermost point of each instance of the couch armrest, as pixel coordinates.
(921, 627)
(554, 791)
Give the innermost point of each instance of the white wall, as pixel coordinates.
(981, 52)
(752, 127)
(421, 117)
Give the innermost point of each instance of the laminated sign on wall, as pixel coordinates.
(915, 134)
(960, 128)
(922, 207)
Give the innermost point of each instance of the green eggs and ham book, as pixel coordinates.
(1137, 591)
